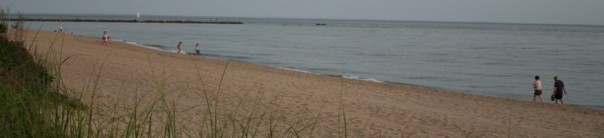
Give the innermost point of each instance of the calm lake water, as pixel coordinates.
(478, 58)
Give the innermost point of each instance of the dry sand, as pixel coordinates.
(118, 73)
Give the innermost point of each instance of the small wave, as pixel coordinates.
(361, 78)
(134, 43)
(342, 76)
(124, 41)
(228, 57)
(295, 70)
(154, 45)
(140, 45)
(116, 40)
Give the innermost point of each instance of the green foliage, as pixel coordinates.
(26, 98)
(18, 68)
(22, 83)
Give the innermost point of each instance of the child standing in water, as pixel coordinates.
(179, 47)
(105, 37)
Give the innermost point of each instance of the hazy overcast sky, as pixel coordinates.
(510, 11)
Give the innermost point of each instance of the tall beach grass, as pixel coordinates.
(36, 103)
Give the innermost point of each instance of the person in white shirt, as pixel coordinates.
(105, 37)
(179, 47)
(197, 51)
(538, 91)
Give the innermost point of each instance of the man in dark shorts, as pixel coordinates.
(537, 87)
(558, 90)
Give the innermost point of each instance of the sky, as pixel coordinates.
(587, 12)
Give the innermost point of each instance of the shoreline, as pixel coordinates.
(361, 78)
(372, 109)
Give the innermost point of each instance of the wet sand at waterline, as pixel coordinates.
(116, 76)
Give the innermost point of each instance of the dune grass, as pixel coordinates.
(34, 102)
(29, 107)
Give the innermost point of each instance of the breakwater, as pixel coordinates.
(126, 21)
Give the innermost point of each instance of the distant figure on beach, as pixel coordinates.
(105, 37)
(558, 90)
(537, 88)
(197, 51)
(179, 47)
(61, 29)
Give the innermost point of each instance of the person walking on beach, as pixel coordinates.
(105, 37)
(179, 47)
(537, 88)
(197, 51)
(558, 90)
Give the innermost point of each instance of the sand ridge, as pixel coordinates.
(371, 109)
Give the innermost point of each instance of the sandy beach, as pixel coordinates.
(114, 77)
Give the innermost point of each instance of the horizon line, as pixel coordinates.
(306, 18)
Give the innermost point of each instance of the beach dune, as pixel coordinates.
(120, 75)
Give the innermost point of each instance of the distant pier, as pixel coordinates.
(127, 21)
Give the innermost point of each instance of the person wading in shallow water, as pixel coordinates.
(105, 37)
(179, 47)
(558, 90)
(538, 91)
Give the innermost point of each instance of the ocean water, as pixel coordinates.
(477, 58)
